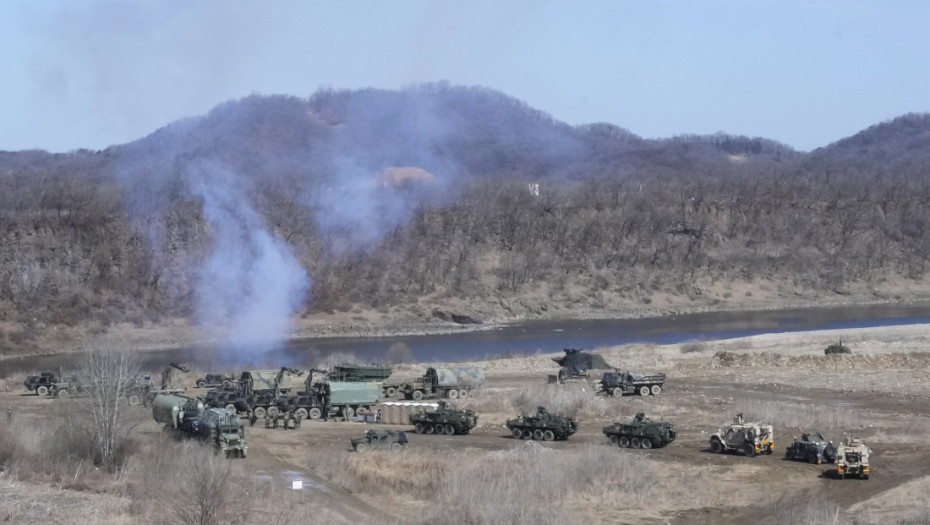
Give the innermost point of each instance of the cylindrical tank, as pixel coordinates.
(170, 409)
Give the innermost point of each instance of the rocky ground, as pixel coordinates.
(879, 392)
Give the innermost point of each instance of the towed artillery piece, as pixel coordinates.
(642, 432)
(447, 419)
(187, 417)
(852, 459)
(748, 438)
(813, 448)
(542, 426)
(379, 439)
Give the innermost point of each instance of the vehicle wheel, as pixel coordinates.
(315, 413)
(646, 443)
(361, 447)
(635, 442)
(226, 383)
(348, 412)
(134, 400)
(417, 395)
(812, 459)
(300, 413)
(644, 390)
(517, 433)
(548, 436)
(396, 447)
(419, 428)
(201, 384)
(450, 430)
(390, 391)
(716, 446)
(656, 390)
(538, 434)
(62, 393)
(463, 393)
(615, 440)
(42, 391)
(527, 434)
(260, 412)
(242, 453)
(453, 394)
(231, 407)
(623, 442)
(617, 392)
(749, 449)
(430, 429)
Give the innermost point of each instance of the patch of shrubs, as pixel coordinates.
(837, 348)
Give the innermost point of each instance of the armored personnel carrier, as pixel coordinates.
(642, 432)
(852, 459)
(813, 448)
(748, 438)
(542, 427)
(447, 419)
(379, 439)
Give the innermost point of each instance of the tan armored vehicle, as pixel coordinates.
(748, 438)
(852, 459)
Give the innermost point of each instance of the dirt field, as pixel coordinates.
(880, 392)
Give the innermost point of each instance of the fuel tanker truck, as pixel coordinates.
(186, 417)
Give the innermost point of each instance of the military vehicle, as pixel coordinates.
(365, 373)
(642, 432)
(542, 427)
(852, 459)
(148, 391)
(447, 419)
(187, 417)
(215, 380)
(379, 439)
(327, 398)
(227, 398)
(259, 390)
(813, 448)
(577, 365)
(42, 384)
(625, 383)
(453, 383)
(748, 438)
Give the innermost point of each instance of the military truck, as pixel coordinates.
(227, 398)
(379, 439)
(215, 380)
(358, 373)
(446, 419)
(542, 426)
(148, 390)
(625, 383)
(852, 459)
(450, 382)
(326, 399)
(813, 448)
(187, 417)
(259, 390)
(642, 432)
(577, 365)
(42, 384)
(748, 438)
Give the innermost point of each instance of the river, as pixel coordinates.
(528, 337)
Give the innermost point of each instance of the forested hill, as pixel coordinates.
(438, 195)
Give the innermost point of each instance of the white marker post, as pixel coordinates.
(298, 484)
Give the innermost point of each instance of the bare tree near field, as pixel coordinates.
(106, 377)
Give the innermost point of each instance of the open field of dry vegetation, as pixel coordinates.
(879, 392)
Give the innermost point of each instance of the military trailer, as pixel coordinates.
(577, 365)
(450, 382)
(446, 419)
(625, 383)
(852, 459)
(813, 448)
(642, 432)
(542, 426)
(748, 438)
(42, 384)
(364, 373)
(186, 417)
(379, 439)
(215, 380)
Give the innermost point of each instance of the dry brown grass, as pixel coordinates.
(796, 415)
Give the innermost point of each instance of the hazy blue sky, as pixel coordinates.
(806, 73)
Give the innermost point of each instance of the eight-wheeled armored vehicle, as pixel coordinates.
(748, 438)
(813, 448)
(642, 432)
(446, 419)
(542, 426)
(379, 439)
(852, 459)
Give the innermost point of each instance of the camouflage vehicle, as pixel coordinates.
(215, 380)
(748, 438)
(447, 419)
(577, 365)
(642, 432)
(350, 372)
(187, 417)
(542, 427)
(625, 383)
(813, 448)
(42, 384)
(379, 439)
(852, 459)
(450, 382)
(226, 398)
